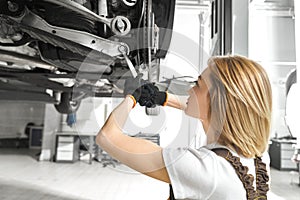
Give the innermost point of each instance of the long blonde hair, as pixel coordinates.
(240, 104)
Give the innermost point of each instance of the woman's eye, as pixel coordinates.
(194, 83)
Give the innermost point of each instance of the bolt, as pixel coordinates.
(120, 25)
(12, 6)
(123, 49)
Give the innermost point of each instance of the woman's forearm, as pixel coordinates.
(120, 114)
(115, 122)
(109, 136)
(175, 101)
(139, 154)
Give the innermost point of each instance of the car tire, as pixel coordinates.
(66, 105)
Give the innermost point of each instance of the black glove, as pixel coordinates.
(133, 87)
(151, 96)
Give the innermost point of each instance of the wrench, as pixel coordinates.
(123, 50)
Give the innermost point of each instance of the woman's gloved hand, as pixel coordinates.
(133, 88)
(151, 96)
(144, 92)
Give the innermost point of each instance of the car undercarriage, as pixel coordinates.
(61, 51)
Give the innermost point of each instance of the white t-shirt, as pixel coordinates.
(202, 174)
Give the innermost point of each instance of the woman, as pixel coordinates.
(232, 99)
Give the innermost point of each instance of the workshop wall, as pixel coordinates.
(51, 126)
(272, 42)
(15, 115)
(89, 119)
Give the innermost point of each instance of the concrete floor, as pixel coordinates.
(22, 177)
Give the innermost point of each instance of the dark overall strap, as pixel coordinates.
(247, 179)
(171, 193)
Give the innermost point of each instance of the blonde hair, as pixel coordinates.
(240, 104)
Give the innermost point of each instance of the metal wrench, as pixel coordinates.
(123, 50)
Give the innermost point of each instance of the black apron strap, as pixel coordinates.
(247, 179)
(171, 193)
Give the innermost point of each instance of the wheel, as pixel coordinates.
(66, 105)
(153, 111)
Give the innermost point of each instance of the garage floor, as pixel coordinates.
(23, 177)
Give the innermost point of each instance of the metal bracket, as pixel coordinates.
(91, 41)
(119, 25)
